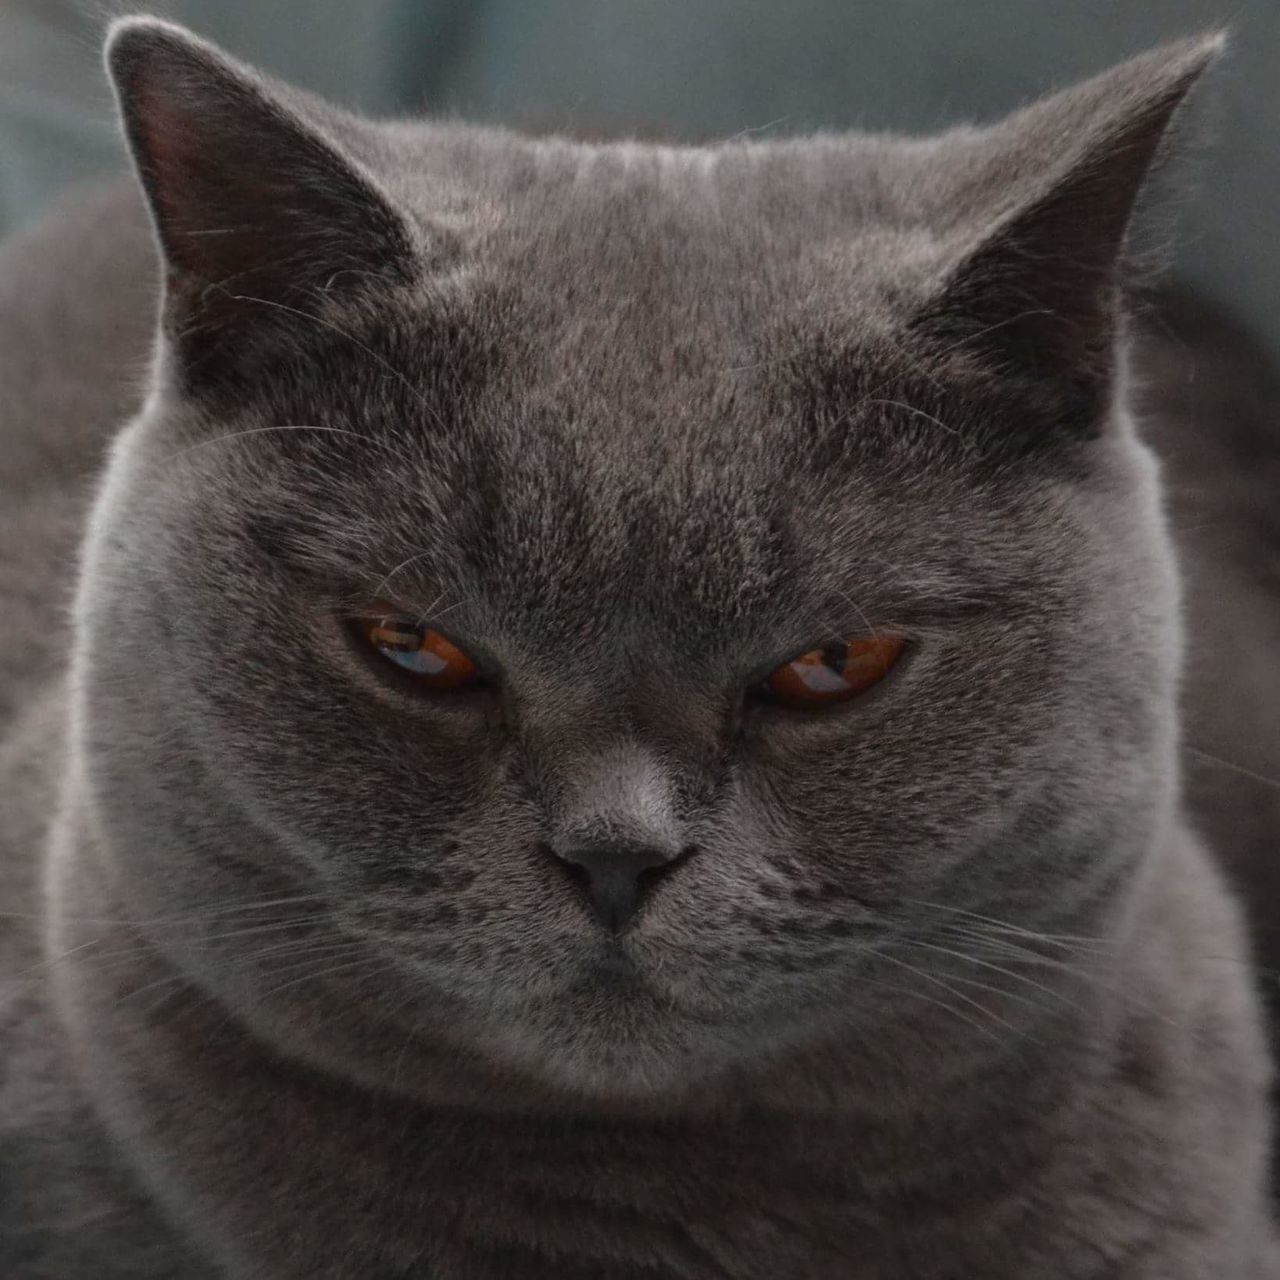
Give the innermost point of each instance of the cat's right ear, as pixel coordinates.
(258, 214)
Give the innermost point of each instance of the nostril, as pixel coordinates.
(650, 876)
(577, 873)
(574, 872)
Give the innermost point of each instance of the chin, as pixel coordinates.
(618, 1041)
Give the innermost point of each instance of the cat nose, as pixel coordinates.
(616, 877)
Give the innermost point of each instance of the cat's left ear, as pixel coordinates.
(1047, 212)
(258, 213)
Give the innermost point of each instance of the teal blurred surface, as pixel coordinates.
(700, 68)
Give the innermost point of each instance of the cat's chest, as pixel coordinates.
(734, 1200)
(452, 1196)
(489, 1199)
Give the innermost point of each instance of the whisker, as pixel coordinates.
(351, 338)
(44, 964)
(1012, 952)
(917, 994)
(144, 945)
(179, 921)
(1008, 925)
(404, 564)
(147, 947)
(370, 962)
(1002, 935)
(960, 995)
(240, 962)
(919, 413)
(873, 395)
(288, 923)
(857, 608)
(408, 1039)
(1009, 973)
(439, 613)
(1260, 778)
(291, 426)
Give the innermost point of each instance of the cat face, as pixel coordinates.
(633, 428)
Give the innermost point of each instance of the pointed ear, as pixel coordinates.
(255, 210)
(1038, 290)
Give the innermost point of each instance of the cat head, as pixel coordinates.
(633, 594)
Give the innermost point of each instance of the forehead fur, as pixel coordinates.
(669, 309)
(675, 260)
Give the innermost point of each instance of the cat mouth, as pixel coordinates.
(609, 971)
(611, 967)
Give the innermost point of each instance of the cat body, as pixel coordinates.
(940, 984)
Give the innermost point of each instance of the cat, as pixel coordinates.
(620, 712)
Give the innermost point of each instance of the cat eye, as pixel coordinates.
(432, 659)
(834, 673)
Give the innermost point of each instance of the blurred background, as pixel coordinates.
(685, 68)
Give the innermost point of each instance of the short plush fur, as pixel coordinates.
(940, 983)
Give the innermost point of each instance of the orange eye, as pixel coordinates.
(438, 663)
(836, 672)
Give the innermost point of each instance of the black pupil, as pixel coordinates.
(835, 656)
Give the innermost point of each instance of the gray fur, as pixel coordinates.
(944, 986)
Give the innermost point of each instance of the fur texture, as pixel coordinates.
(943, 983)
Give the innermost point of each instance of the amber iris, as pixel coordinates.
(414, 647)
(836, 672)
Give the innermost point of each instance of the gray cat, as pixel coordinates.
(619, 717)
